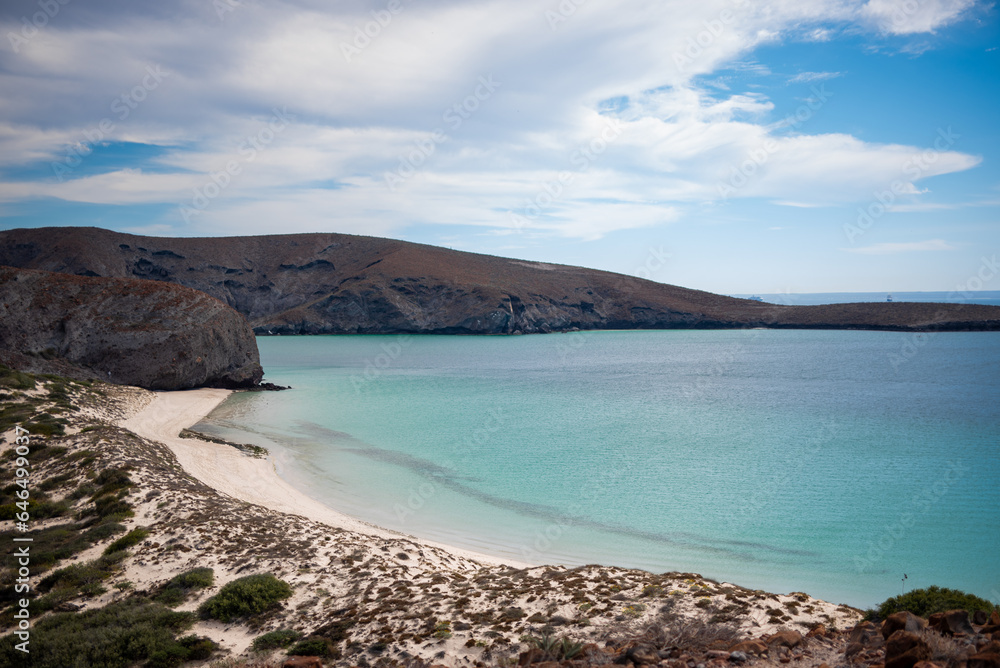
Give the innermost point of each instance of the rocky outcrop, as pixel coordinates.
(339, 283)
(155, 335)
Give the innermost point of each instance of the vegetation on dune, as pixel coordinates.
(925, 602)
(245, 597)
(181, 586)
(116, 635)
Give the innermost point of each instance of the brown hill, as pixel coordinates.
(154, 335)
(338, 283)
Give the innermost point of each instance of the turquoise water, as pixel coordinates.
(819, 461)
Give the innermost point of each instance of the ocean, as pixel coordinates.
(830, 462)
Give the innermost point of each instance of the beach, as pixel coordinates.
(257, 518)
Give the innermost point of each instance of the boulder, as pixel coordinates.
(904, 649)
(786, 638)
(984, 660)
(303, 662)
(755, 647)
(980, 617)
(818, 631)
(927, 664)
(642, 655)
(951, 622)
(902, 621)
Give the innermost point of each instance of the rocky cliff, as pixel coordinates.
(155, 335)
(338, 283)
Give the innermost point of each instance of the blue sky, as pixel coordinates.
(725, 145)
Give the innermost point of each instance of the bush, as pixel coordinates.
(180, 587)
(313, 647)
(115, 636)
(132, 538)
(276, 639)
(925, 602)
(250, 595)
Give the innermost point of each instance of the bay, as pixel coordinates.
(820, 461)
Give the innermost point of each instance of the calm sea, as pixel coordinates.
(819, 461)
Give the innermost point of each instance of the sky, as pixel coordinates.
(725, 145)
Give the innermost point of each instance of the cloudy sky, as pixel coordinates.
(727, 145)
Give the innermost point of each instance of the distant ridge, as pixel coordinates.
(330, 283)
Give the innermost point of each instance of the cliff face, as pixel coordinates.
(154, 335)
(338, 283)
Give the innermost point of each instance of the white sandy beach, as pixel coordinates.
(249, 479)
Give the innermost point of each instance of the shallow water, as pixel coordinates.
(819, 461)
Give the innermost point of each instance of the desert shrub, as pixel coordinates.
(132, 538)
(115, 636)
(180, 587)
(275, 639)
(925, 602)
(250, 595)
(15, 380)
(313, 647)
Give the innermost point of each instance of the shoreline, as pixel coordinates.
(249, 479)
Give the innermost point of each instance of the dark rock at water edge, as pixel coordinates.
(151, 334)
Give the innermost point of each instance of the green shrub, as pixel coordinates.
(116, 636)
(313, 647)
(179, 588)
(250, 595)
(132, 538)
(925, 602)
(276, 639)
(15, 380)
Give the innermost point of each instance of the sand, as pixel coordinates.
(249, 479)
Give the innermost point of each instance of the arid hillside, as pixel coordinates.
(338, 283)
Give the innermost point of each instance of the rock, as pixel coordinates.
(902, 621)
(903, 649)
(984, 660)
(151, 334)
(738, 657)
(642, 655)
(68, 607)
(980, 617)
(533, 655)
(303, 662)
(927, 664)
(995, 618)
(818, 631)
(754, 647)
(717, 654)
(951, 622)
(786, 638)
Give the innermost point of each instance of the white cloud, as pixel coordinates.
(903, 247)
(359, 116)
(810, 77)
(907, 17)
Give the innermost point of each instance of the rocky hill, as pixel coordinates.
(338, 283)
(155, 335)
